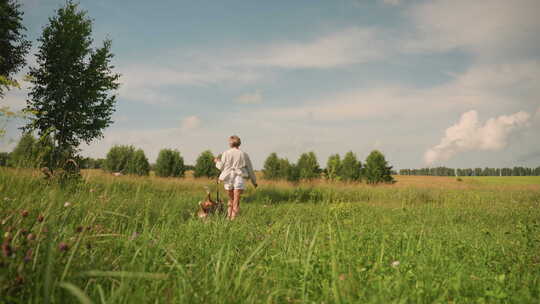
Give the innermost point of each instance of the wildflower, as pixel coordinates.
(31, 237)
(395, 264)
(6, 249)
(92, 190)
(24, 213)
(63, 246)
(7, 235)
(28, 256)
(19, 280)
(67, 204)
(40, 218)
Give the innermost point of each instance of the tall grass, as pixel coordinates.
(135, 240)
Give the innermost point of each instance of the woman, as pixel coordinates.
(235, 165)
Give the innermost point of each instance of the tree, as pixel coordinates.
(351, 167)
(72, 87)
(24, 155)
(127, 160)
(271, 167)
(170, 163)
(118, 158)
(293, 173)
(4, 159)
(377, 169)
(13, 44)
(205, 166)
(333, 167)
(284, 168)
(308, 167)
(138, 164)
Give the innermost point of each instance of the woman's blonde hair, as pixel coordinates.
(235, 141)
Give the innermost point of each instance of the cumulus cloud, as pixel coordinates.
(250, 98)
(469, 134)
(504, 86)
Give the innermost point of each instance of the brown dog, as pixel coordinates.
(209, 207)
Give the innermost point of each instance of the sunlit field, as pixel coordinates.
(136, 240)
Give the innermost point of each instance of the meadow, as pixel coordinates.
(136, 240)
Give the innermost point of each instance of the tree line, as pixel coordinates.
(375, 170)
(444, 171)
(126, 159)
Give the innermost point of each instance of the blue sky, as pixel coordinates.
(453, 83)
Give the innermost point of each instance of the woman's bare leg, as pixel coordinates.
(230, 203)
(236, 203)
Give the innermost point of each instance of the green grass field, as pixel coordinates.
(135, 240)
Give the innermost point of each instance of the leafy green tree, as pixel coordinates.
(169, 163)
(308, 166)
(377, 169)
(72, 87)
(13, 44)
(333, 167)
(138, 164)
(24, 155)
(31, 152)
(293, 173)
(118, 158)
(350, 167)
(4, 159)
(205, 166)
(271, 167)
(284, 168)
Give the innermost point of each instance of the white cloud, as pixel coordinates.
(489, 28)
(15, 99)
(250, 98)
(468, 134)
(350, 46)
(391, 2)
(484, 86)
(147, 83)
(249, 63)
(190, 123)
